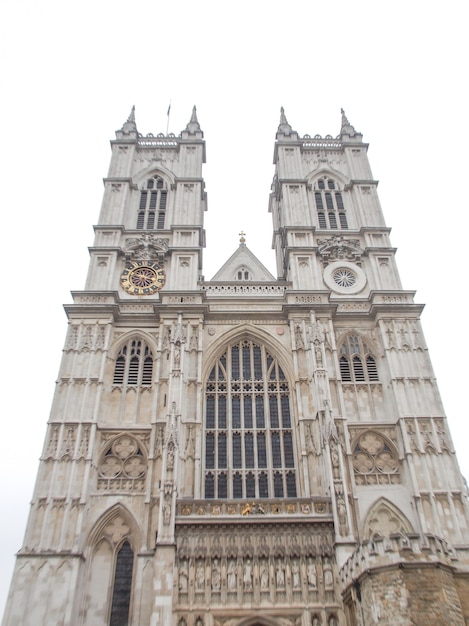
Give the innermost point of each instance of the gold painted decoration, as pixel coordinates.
(143, 278)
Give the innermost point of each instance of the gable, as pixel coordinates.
(244, 266)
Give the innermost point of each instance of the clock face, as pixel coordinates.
(143, 278)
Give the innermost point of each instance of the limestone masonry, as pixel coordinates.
(248, 450)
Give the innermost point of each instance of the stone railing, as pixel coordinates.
(394, 550)
(228, 289)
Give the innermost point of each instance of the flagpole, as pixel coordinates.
(167, 122)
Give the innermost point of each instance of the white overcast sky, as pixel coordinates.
(70, 72)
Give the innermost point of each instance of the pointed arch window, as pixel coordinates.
(330, 205)
(122, 588)
(356, 362)
(152, 205)
(134, 365)
(249, 445)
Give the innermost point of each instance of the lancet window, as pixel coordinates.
(357, 363)
(330, 205)
(134, 364)
(152, 205)
(122, 586)
(249, 450)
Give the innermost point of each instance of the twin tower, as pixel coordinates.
(250, 450)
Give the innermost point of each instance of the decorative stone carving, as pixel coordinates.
(375, 460)
(146, 247)
(123, 465)
(339, 247)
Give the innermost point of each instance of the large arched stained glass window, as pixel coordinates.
(248, 436)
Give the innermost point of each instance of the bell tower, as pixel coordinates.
(244, 450)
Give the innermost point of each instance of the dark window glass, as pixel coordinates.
(343, 220)
(330, 184)
(322, 220)
(318, 199)
(278, 485)
(285, 404)
(161, 216)
(236, 450)
(222, 450)
(260, 421)
(236, 412)
(122, 586)
(248, 450)
(222, 412)
(210, 412)
(210, 451)
(261, 451)
(321, 184)
(151, 220)
(235, 363)
(237, 486)
(291, 485)
(246, 363)
(209, 486)
(150, 183)
(273, 411)
(257, 363)
(250, 486)
(339, 201)
(288, 449)
(222, 486)
(332, 220)
(329, 204)
(263, 488)
(276, 453)
(247, 400)
(143, 200)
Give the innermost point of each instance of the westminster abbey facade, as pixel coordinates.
(248, 450)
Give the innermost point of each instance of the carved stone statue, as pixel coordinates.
(216, 576)
(183, 577)
(295, 571)
(280, 575)
(328, 576)
(232, 576)
(264, 576)
(312, 574)
(200, 577)
(247, 576)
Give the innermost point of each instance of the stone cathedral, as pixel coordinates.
(248, 450)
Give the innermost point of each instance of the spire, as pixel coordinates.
(131, 117)
(193, 125)
(130, 126)
(347, 130)
(242, 238)
(284, 128)
(345, 121)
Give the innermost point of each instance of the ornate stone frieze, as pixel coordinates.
(340, 248)
(146, 247)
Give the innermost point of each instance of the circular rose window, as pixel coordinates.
(344, 277)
